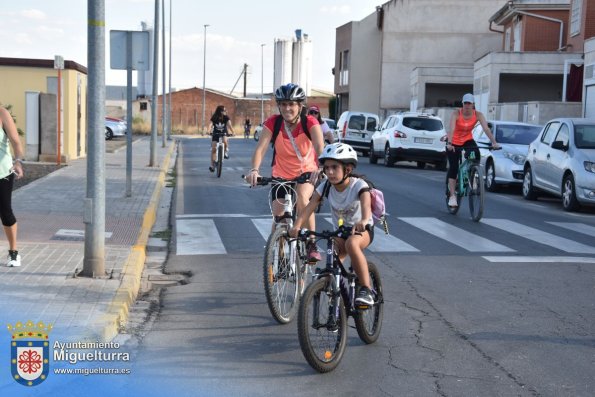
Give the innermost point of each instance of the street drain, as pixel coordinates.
(165, 280)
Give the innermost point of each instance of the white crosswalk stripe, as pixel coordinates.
(198, 237)
(576, 227)
(456, 236)
(540, 236)
(197, 234)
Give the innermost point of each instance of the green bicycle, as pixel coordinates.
(469, 183)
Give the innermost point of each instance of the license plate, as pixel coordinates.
(423, 140)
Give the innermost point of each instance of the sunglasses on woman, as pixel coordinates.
(312, 112)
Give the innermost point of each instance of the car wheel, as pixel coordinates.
(528, 188)
(389, 160)
(490, 180)
(373, 156)
(421, 165)
(109, 135)
(569, 201)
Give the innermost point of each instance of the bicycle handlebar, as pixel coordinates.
(265, 180)
(326, 234)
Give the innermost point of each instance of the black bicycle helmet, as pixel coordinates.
(290, 92)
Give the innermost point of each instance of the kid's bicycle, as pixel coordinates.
(328, 302)
(469, 183)
(285, 265)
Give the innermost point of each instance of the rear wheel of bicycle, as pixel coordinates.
(219, 160)
(452, 210)
(476, 192)
(368, 322)
(322, 340)
(281, 280)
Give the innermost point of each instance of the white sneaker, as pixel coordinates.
(227, 154)
(452, 201)
(13, 259)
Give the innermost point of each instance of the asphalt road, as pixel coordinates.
(508, 313)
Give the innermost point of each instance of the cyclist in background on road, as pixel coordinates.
(460, 135)
(219, 125)
(295, 154)
(247, 128)
(350, 201)
(326, 131)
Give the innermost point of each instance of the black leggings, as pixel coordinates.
(455, 155)
(6, 214)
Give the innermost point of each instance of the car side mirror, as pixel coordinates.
(559, 145)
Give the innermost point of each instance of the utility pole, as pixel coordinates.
(163, 96)
(262, 84)
(245, 78)
(169, 107)
(204, 74)
(152, 160)
(94, 211)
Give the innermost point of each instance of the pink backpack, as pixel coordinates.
(376, 201)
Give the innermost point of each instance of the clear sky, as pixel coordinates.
(43, 28)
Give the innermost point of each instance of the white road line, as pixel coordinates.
(542, 259)
(540, 236)
(263, 226)
(385, 242)
(576, 227)
(198, 237)
(456, 236)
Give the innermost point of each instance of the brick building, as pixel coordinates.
(186, 107)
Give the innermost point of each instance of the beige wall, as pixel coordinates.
(15, 81)
(426, 33)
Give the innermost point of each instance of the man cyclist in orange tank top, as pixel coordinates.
(460, 135)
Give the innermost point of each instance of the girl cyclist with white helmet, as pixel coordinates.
(296, 152)
(350, 202)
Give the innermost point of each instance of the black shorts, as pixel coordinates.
(216, 136)
(370, 230)
(279, 190)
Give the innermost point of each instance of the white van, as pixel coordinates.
(356, 129)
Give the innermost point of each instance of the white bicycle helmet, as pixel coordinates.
(290, 92)
(341, 152)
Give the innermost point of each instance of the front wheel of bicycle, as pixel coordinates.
(369, 321)
(476, 190)
(281, 277)
(219, 160)
(322, 335)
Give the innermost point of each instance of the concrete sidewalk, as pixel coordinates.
(49, 212)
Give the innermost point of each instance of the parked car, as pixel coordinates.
(505, 167)
(332, 124)
(356, 129)
(410, 136)
(561, 161)
(114, 127)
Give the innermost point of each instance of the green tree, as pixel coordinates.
(332, 104)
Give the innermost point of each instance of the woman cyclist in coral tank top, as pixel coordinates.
(460, 135)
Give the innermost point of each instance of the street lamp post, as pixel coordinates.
(262, 83)
(204, 74)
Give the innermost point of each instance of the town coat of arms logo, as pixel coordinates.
(29, 352)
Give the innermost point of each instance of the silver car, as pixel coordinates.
(561, 161)
(505, 167)
(114, 127)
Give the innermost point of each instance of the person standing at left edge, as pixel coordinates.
(9, 170)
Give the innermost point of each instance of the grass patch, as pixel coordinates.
(162, 234)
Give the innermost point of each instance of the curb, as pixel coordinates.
(109, 324)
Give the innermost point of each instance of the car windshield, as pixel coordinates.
(584, 136)
(331, 124)
(517, 134)
(422, 124)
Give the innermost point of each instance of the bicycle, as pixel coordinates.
(219, 153)
(328, 302)
(469, 183)
(285, 265)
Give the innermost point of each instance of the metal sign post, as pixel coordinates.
(59, 64)
(129, 50)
